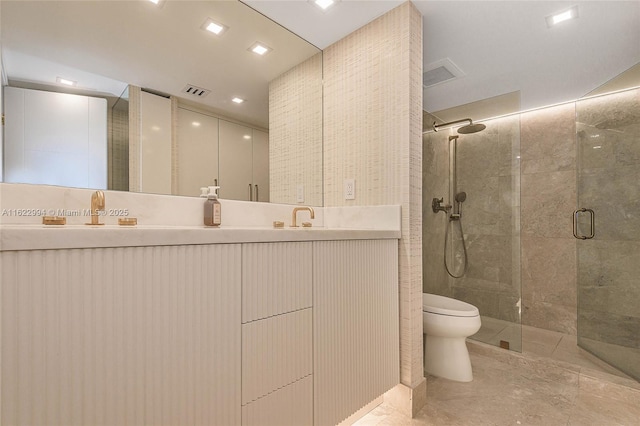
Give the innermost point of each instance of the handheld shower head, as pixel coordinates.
(460, 197)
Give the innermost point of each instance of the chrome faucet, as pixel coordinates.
(97, 204)
(296, 210)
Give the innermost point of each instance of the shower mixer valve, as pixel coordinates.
(437, 206)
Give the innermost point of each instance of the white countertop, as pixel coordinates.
(50, 237)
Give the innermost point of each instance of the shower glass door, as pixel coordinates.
(608, 142)
(487, 171)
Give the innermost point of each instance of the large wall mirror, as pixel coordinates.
(185, 107)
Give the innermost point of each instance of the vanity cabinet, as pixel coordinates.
(267, 333)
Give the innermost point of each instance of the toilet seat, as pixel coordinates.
(441, 305)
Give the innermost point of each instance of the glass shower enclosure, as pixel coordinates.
(485, 166)
(607, 226)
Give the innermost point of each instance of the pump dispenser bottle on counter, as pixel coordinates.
(212, 207)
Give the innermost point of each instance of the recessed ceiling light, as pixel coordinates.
(195, 123)
(158, 3)
(214, 27)
(562, 16)
(260, 48)
(66, 82)
(237, 100)
(324, 4)
(247, 137)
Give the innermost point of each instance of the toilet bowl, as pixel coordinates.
(446, 324)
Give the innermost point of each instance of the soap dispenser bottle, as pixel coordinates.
(212, 208)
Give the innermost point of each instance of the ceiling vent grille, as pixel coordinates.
(195, 91)
(440, 72)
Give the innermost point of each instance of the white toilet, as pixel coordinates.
(446, 324)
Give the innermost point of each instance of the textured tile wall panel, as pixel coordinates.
(121, 336)
(355, 325)
(276, 352)
(295, 133)
(288, 406)
(276, 278)
(373, 133)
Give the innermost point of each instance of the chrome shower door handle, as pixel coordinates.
(250, 193)
(592, 217)
(257, 195)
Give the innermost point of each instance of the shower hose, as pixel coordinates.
(464, 245)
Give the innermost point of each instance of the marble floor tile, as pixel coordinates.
(602, 403)
(521, 389)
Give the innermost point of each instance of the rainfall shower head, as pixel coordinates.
(471, 128)
(464, 130)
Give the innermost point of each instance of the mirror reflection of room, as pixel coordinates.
(146, 110)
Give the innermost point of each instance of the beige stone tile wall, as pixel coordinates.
(372, 133)
(295, 133)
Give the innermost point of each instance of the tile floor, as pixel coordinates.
(537, 387)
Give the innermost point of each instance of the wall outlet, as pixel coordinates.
(300, 194)
(349, 189)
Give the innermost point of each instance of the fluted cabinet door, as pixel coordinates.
(122, 336)
(355, 325)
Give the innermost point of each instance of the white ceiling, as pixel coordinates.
(501, 46)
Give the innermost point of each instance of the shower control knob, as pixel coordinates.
(436, 206)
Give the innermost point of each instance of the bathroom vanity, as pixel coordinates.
(187, 325)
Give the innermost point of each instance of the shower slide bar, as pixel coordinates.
(592, 217)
